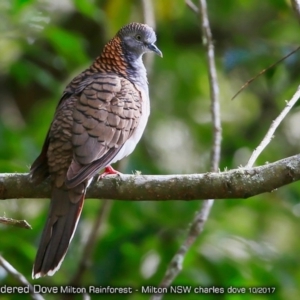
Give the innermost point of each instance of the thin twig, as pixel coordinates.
(201, 217)
(91, 242)
(17, 223)
(268, 137)
(214, 88)
(263, 71)
(192, 6)
(20, 278)
(175, 265)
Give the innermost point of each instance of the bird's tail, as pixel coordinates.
(64, 214)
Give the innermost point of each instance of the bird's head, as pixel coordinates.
(138, 39)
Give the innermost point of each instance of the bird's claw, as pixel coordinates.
(108, 171)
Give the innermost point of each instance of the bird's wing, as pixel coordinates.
(106, 114)
(39, 170)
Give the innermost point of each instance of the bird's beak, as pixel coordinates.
(153, 48)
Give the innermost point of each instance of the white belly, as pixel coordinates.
(131, 143)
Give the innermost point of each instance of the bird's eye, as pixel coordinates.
(138, 37)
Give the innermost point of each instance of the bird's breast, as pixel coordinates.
(131, 143)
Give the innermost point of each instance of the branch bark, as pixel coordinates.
(236, 183)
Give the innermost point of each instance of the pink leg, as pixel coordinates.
(109, 170)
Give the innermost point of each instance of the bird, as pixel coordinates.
(99, 120)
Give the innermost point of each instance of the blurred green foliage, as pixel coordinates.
(246, 243)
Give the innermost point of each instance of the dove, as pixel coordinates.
(99, 120)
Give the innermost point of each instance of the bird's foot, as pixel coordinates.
(109, 171)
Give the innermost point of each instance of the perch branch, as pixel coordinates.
(236, 183)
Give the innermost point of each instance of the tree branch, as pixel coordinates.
(213, 85)
(201, 216)
(268, 137)
(14, 222)
(192, 6)
(21, 279)
(236, 183)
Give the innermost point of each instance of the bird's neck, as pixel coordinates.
(136, 71)
(114, 59)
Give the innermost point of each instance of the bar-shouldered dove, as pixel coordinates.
(99, 120)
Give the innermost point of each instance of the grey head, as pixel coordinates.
(138, 39)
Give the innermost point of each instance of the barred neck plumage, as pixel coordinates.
(115, 59)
